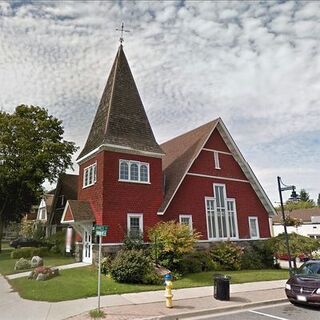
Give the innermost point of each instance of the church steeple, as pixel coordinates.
(121, 120)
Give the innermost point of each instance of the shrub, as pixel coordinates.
(29, 252)
(227, 255)
(58, 242)
(106, 264)
(171, 241)
(96, 314)
(130, 266)
(251, 260)
(197, 261)
(22, 264)
(133, 242)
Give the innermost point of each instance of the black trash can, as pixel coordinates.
(221, 285)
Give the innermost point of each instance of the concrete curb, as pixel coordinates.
(217, 310)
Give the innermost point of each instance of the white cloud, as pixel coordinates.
(254, 64)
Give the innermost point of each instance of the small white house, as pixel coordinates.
(310, 219)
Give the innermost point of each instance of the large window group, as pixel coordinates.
(221, 215)
(134, 171)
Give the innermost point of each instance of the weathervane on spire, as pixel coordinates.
(122, 30)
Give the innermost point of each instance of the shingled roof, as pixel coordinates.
(180, 154)
(304, 214)
(80, 211)
(182, 151)
(121, 119)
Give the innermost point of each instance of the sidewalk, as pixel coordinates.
(139, 305)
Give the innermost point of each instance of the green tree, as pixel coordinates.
(32, 150)
(171, 240)
(298, 245)
(304, 196)
(318, 200)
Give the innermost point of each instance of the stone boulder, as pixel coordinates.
(43, 273)
(42, 277)
(22, 264)
(36, 261)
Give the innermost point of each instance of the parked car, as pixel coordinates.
(25, 242)
(304, 286)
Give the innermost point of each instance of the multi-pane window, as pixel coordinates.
(135, 225)
(221, 215)
(254, 227)
(134, 171)
(186, 219)
(43, 214)
(90, 175)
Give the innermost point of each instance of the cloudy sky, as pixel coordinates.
(254, 64)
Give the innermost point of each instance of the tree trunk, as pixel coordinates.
(1, 221)
(1, 232)
(295, 263)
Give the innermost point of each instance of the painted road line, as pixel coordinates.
(267, 315)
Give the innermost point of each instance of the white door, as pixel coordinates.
(87, 245)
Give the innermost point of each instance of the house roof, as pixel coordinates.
(121, 120)
(80, 210)
(67, 186)
(48, 199)
(304, 214)
(182, 151)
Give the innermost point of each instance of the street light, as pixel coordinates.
(294, 196)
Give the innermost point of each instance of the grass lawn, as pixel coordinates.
(7, 264)
(82, 282)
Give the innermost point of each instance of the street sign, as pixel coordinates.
(101, 230)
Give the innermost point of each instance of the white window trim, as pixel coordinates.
(135, 215)
(189, 216)
(257, 225)
(94, 173)
(139, 163)
(216, 160)
(40, 214)
(226, 211)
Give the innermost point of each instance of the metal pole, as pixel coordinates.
(284, 225)
(99, 272)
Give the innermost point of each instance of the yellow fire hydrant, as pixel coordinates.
(168, 293)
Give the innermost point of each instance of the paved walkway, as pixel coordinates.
(138, 305)
(63, 267)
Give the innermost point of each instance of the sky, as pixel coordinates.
(254, 64)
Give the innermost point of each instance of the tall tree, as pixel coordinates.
(32, 150)
(318, 200)
(304, 196)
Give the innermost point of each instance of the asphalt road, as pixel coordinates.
(284, 311)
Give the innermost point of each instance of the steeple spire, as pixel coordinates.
(121, 121)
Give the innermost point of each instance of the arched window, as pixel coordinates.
(124, 170)
(134, 172)
(144, 173)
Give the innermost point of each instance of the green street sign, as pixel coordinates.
(101, 230)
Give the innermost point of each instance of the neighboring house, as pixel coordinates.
(310, 219)
(130, 182)
(52, 204)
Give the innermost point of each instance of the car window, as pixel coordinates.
(310, 269)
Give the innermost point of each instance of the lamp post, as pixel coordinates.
(283, 187)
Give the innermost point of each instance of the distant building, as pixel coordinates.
(53, 203)
(129, 182)
(310, 219)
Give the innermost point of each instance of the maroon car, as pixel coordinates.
(304, 286)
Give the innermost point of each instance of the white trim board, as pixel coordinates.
(216, 177)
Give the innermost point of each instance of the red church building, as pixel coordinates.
(129, 182)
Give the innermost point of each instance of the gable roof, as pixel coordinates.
(182, 151)
(304, 214)
(80, 210)
(121, 120)
(67, 186)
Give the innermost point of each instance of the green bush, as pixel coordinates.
(58, 242)
(106, 264)
(257, 255)
(197, 261)
(22, 264)
(227, 255)
(133, 242)
(130, 266)
(29, 252)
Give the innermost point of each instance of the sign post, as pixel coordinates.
(101, 231)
